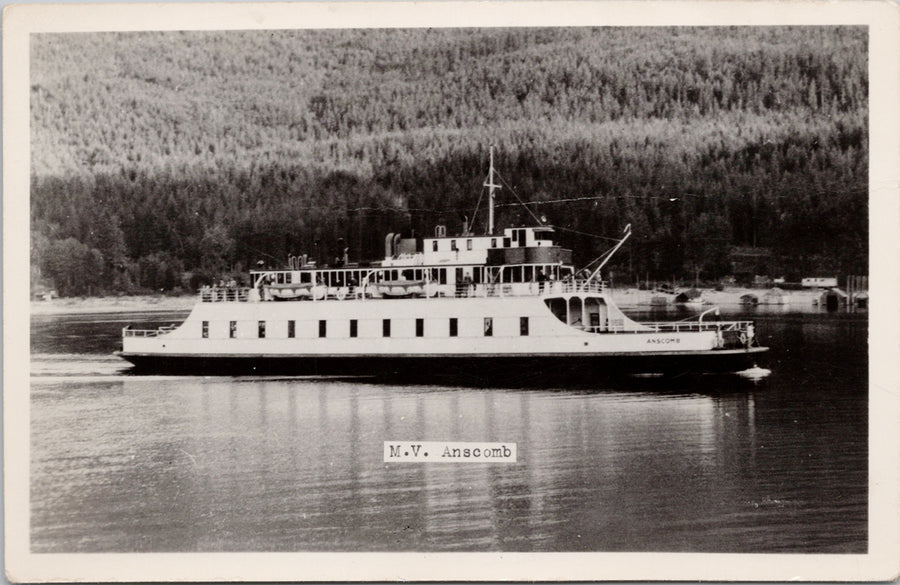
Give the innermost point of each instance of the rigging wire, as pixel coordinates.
(598, 236)
(471, 224)
(516, 195)
(597, 259)
(252, 249)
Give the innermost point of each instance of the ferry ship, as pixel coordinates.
(506, 304)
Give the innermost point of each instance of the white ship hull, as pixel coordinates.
(438, 335)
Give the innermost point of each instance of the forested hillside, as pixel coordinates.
(160, 154)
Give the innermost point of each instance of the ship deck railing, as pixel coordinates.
(220, 294)
(129, 332)
(306, 291)
(513, 289)
(618, 325)
(684, 326)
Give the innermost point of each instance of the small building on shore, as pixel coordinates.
(819, 282)
(687, 296)
(775, 296)
(43, 293)
(749, 299)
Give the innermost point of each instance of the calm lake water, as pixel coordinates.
(123, 463)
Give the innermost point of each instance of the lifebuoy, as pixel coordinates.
(743, 339)
(342, 293)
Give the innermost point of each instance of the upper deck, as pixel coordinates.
(521, 262)
(397, 289)
(513, 246)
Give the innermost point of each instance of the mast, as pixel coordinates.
(491, 187)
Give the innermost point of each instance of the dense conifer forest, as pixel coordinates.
(166, 160)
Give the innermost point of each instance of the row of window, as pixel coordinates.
(519, 238)
(354, 328)
(454, 247)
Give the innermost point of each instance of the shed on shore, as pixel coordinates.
(776, 296)
(691, 294)
(832, 299)
(749, 299)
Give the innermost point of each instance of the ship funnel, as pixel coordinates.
(389, 245)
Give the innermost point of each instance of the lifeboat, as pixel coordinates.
(290, 291)
(401, 288)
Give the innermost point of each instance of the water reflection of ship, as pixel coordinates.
(305, 459)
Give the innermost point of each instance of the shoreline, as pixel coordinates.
(128, 303)
(729, 297)
(624, 297)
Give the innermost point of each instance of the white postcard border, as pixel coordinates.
(881, 562)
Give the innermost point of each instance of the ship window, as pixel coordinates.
(292, 328)
(468, 244)
(261, 329)
(232, 329)
(523, 325)
(323, 327)
(420, 327)
(453, 245)
(506, 242)
(353, 328)
(493, 242)
(205, 329)
(386, 327)
(488, 326)
(529, 274)
(305, 277)
(454, 327)
(442, 276)
(434, 246)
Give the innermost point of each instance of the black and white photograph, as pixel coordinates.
(451, 282)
